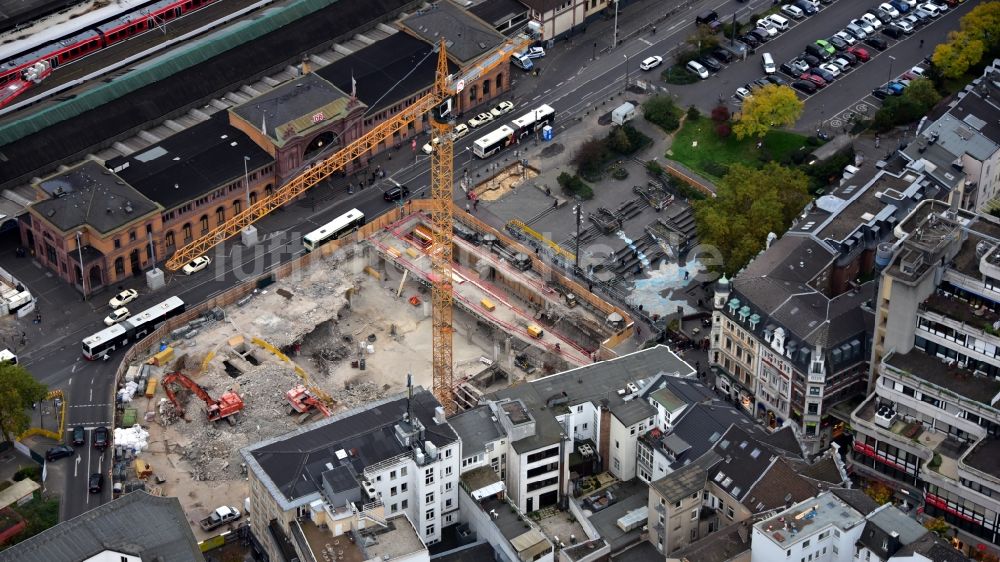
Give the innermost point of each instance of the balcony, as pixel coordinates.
(960, 314)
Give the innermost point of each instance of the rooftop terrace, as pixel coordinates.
(933, 370)
(808, 518)
(985, 457)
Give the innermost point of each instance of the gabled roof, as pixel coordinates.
(745, 461)
(292, 465)
(877, 534)
(151, 527)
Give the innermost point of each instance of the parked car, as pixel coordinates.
(651, 62)
(846, 37)
(768, 26)
(893, 31)
(794, 67)
(776, 80)
(793, 11)
(761, 34)
(883, 16)
(860, 52)
(877, 43)
(810, 61)
(872, 19)
(502, 108)
(823, 73)
(96, 483)
(742, 93)
(101, 438)
(901, 6)
(535, 52)
(808, 7)
(857, 31)
(849, 58)
(197, 264)
(830, 68)
(838, 43)
(79, 435)
(697, 69)
(750, 40)
(923, 15)
(723, 55)
(825, 45)
(710, 63)
(396, 192)
(123, 298)
(58, 452)
(818, 52)
(931, 8)
(479, 120)
(913, 20)
(897, 87)
(863, 24)
(460, 130)
(842, 64)
(904, 26)
(804, 86)
(942, 7)
(815, 79)
(880, 93)
(116, 316)
(889, 9)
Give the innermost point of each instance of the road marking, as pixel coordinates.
(76, 465)
(645, 41)
(559, 85)
(546, 91)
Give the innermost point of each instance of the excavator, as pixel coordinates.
(302, 401)
(225, 407)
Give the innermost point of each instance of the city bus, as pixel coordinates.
(528, 123)
(131, 330)
(494, 142)
(344, 224)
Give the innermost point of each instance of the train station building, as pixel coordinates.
(96, 225)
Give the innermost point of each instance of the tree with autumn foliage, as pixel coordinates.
(770, 106)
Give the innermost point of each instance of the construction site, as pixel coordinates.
(337, 333)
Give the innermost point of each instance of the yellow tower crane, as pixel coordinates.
(442, 175)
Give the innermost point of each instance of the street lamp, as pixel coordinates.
(578, 209)
(83, 276)
(891, 59)
(626, 71)
(246, 178)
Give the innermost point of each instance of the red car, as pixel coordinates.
(820, 83)
(859, 52)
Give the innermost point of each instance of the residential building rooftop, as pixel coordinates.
(721, 546)
(136, 524)
(476, 428)
(90, 195)
(687, 480)
(292, 466)
(642, 552)
(526, 539)
(949, 377)
(778, 485)
(607, 380)
(888, 529)
(809, 517)
(478, 552)
(629, 497)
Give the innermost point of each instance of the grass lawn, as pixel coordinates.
(711, 151)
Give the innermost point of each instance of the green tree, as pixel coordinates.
(879, 492)
(589, 157)
(938, 526)
(917, 99)
(18, 391)
(749, 204)
(983, 21)
(704, 39)
(770, 106)
(619, 142)
(662, 111)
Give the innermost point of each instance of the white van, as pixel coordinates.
(768, 62)
(779, 22)
(696, 68)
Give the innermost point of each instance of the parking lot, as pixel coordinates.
(832, 107)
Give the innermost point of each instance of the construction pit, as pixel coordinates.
(349, 328)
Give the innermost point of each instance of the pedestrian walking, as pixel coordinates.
(475, 204)
(921, 43)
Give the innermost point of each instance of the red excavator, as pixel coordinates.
(224, 408)
(301, 400)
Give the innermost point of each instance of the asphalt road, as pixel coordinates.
(849, 89)
(570, 82)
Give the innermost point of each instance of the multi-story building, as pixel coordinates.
(599, 407)
(380, 468)
(931, 425)
(791, 331)
(959, 145)
(100, 222)
(738, 478)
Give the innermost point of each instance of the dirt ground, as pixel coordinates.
(199, 461)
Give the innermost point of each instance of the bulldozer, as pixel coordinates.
(227, 407)
(304, 402)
